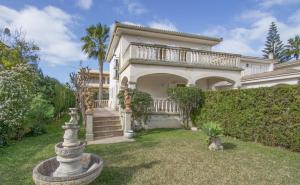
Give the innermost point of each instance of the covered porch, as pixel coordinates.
(157, 85)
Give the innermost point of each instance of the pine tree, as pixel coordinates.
(273, 44)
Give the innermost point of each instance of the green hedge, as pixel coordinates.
(267, 115)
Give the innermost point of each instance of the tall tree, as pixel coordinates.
(293, 48)
(15, 49)
(95, 47)
(273, 44)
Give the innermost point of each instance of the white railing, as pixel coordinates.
(100, 103)
(183, 55)
(214, 58)
(164, 105)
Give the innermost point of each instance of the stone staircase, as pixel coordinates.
(106, 126)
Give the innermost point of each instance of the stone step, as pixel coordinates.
(111, 118)
(107, 128)
(106, 123)
(104, 137)
(98, 134)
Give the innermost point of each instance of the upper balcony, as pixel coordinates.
(179, 56)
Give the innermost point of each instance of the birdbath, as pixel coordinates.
(71, 166)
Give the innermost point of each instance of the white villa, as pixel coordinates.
(152, 60)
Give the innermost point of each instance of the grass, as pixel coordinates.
(170, 157)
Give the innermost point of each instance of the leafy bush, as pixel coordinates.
(212, 130)
(189, 100)
(63, 98)
(36, 130)
(40, 110)
(141, 103)
(17, 88)
(267, 115)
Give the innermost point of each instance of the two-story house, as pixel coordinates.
(152, 60)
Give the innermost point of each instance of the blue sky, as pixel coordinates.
(57, 25)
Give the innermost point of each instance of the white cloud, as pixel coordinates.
(163, 24)
(249, 40)
(134, 7)
(270, 3)
(132, 23)
(84, 4)
(253, 14)
(49, 28)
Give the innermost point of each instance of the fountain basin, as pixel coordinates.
(92, 167)
(69, 152)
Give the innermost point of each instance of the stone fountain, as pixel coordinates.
(71, 166)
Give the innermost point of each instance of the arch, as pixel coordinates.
(215, 82)
(145, 72)
(157, 84)
(124, 81)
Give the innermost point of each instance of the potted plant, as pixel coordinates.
(213, 131)
(129, 134)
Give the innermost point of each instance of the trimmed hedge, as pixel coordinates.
(267, 115)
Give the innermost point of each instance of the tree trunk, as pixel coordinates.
(100, 94)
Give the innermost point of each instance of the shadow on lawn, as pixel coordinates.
(112, 175)
(155, 131)
(229, 146)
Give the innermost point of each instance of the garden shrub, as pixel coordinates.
(189, 101)
(40, 110)
(141, 103)
(17, 88)
(267, 115)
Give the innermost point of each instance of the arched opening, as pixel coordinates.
(158, 84)
(124, 81)
(215, 83)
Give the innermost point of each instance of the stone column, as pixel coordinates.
(127, 114)
(89, 126)
(236, 85)
(191, 83)
(127, 120)
(131, 85)
(89, 116)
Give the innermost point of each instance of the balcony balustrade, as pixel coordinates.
(154, 53)
(165, 106)
(100, 103)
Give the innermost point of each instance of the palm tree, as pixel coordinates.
(95, 47)
(293, 47)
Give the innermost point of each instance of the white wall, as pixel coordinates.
(164, 121)
(254, 67)
(113, 83)
(270, 83)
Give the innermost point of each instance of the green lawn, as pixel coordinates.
(162, 157)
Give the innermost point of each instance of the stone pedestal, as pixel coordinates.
(69, 153)
(89, 126)
(127, 120)
(215, 144)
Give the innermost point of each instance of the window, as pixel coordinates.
(116, 67)
(247, 65)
